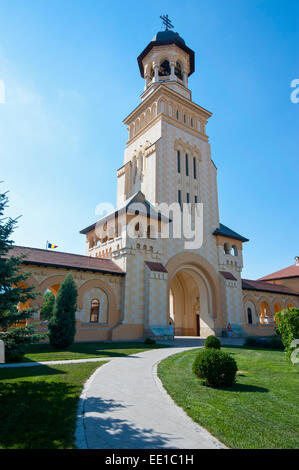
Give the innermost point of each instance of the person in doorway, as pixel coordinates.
(229, 330)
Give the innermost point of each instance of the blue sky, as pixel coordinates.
(71, 76)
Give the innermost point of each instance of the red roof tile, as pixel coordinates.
(267, 287)
(291, 271)
(154, 266)
(228, 275)
(59, 259)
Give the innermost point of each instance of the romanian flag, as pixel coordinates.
(49, 245)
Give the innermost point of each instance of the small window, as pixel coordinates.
(94, 311)
(188, 198)
(179, 161)
(177, 115)
(249, 316)
(179, 197)
(194, 168)
(195, 199)
(185, 119)
(191, 122)
(187, 165)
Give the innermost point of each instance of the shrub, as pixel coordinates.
(62, 325)
(212, 342)
(150, 341)
(46, 311)
(287, 326)
(16, 341)
(216, 367)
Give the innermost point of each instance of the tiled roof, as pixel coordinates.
(267, 287)
(59, 259)
(129, 206)
(227, 232)
(228, 275)
(291, 271)
(154, 266)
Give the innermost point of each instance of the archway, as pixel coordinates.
(190, 301)
(266, 316)
(207, 289)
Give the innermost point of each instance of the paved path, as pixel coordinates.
(124, 406)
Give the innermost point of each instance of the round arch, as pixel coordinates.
(205, 278)
(113, 312)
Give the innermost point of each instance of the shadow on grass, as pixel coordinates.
(32, 371)
(37, 414)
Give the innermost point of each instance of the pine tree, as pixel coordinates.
(46, 311)
(12, 288)
(62, 325)
(13, 291)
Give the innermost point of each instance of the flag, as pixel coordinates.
(50, 245)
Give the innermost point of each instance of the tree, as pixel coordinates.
(13, 291)
(62, 325)
(287, 326)
(46, 311)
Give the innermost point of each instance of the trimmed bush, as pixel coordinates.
(217, 368)
(62, 324)
(150, 341)
(212, 342)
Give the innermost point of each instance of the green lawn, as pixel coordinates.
(39, 405)
(260, 411)
(44, 352)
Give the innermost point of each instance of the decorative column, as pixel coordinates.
(185, 79)
(156, 70)
(172, 69)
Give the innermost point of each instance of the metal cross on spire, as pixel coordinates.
(166, 21)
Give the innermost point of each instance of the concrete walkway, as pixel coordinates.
(124, 406)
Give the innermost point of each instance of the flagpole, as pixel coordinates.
(47, 244)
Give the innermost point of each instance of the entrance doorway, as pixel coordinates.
(189, 303)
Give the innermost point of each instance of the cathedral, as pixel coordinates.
(140, 274)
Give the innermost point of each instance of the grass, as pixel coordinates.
(39, 405)
(260, 411)
(45, 352)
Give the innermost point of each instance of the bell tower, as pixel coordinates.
(166, 60)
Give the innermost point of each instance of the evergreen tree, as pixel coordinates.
(46, 311)
(62, 325)
(12, 288)
(13, 291)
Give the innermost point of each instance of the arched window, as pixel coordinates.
(137, 228)
(177, 115)
(249, 316)
(178, 71)
(164, 69)
(94, 311)
(226, 248)
(235, 248)
(191, 122)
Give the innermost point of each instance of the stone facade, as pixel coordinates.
(167, 160)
